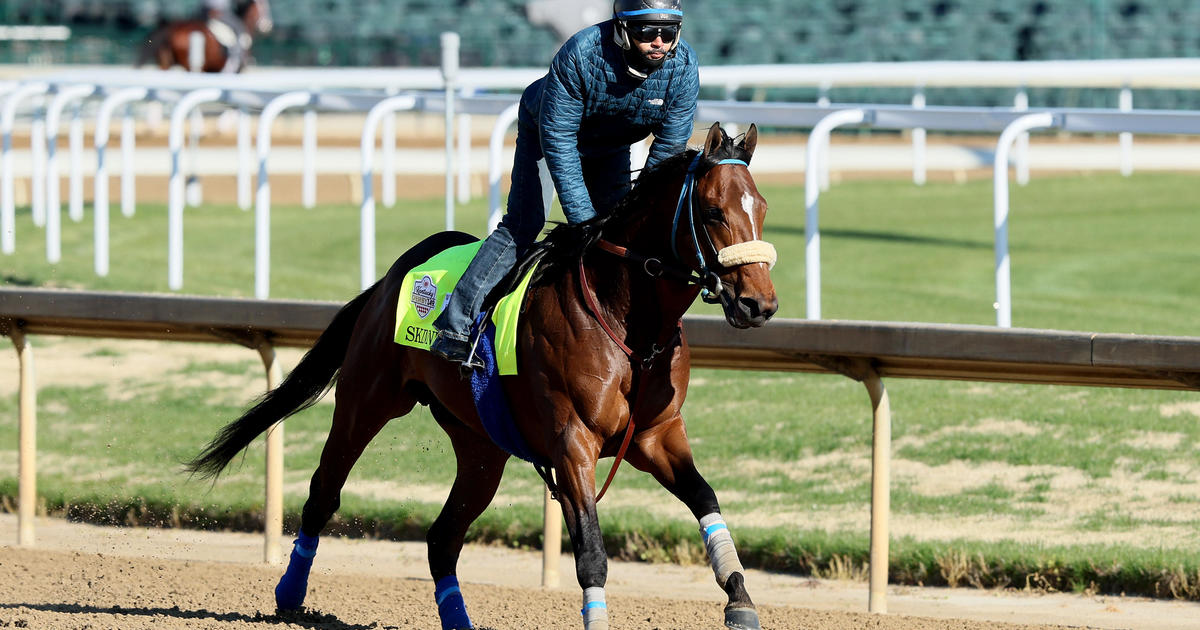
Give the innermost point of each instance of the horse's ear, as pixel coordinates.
(716, 137)
(749, 141)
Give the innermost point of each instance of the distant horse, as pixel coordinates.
(226, 46)
(603, 371)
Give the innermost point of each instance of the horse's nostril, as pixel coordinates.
(771, 308)
(757, 310)
(750, 307)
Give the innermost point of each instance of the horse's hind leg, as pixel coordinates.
(355, 423)
(480, 467)
(669, 458)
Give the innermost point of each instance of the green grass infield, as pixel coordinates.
(993, 485)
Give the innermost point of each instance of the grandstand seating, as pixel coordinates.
(497, 33)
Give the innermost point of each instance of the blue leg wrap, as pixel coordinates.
(289, 593)
(451, 607)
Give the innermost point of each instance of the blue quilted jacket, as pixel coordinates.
(587, 105)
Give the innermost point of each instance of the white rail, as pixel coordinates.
(262, 205)
(100, 196)
(367, 276)
(53, 205)
(175, 187)
(255, 91)
(7, 121)
(1011, 134)
(978, 120)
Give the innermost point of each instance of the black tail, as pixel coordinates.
(302, 388)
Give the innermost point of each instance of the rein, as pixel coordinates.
(643, 363)
(705, 278)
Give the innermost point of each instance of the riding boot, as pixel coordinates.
(495, 258)
(518, 229)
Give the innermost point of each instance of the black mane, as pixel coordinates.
(565, 243)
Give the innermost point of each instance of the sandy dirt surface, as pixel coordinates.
(87, 577)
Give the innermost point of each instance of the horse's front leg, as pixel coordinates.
(577, 491)
(664, 452)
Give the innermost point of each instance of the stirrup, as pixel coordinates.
(473, 362)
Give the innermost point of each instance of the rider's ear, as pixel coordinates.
(716, 137)
(749, 141)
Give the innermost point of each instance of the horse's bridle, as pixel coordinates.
(736, 255)
(711, 288)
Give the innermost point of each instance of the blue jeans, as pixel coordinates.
(607, 180)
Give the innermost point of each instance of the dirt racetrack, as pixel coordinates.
(85, 577)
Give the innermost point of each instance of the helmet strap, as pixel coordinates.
(622, 39)
(634, 72)
(620, 35)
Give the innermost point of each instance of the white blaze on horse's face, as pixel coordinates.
(748, 250)
(748, 208)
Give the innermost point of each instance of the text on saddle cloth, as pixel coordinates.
(427, 289)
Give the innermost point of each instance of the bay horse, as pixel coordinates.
(226, 49)
(603, 372)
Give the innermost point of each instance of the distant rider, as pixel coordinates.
(229, 31)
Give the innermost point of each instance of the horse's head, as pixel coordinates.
(256, 14)
(723, 226)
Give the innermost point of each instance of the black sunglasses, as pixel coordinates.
(647, 33)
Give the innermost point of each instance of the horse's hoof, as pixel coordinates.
(742, 619)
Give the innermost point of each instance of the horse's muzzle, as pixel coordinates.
(748, 312)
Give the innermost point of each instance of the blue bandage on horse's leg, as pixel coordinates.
(595, 609)
(451, 608)
(289, 593)
(722, 555)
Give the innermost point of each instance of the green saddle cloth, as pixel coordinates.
(427, 289)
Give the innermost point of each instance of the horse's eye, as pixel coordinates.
(714, 215)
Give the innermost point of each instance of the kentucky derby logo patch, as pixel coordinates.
(424, 296)
(427, 288)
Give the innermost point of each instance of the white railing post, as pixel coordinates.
(450, 42)
(8, 117)
(464, 152)
(1010, 134)
(75, 186)
(387, 156)
(1125, 104)
(262, 206)
(308, 183)
(53, 201)
(194, 190)
(1021, 151)
(823, 101)
(367, 210)
(817, 139)
(175, 187)
(37, 163)
(918, 141)
(496, 163)
(128, 177)
(100, 202)
(244, 157)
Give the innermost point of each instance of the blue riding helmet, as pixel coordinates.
(643, 20)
